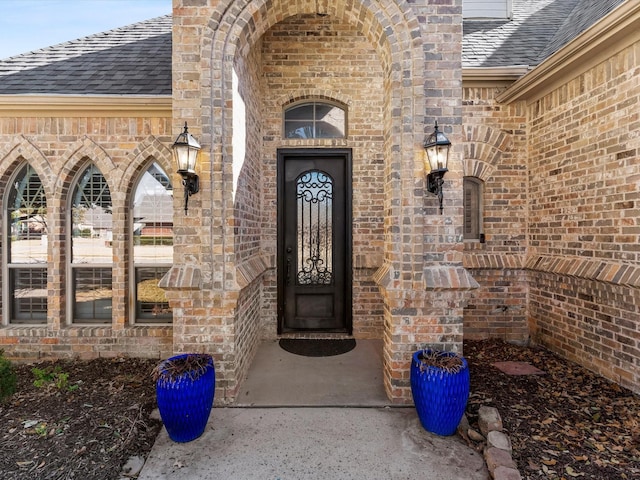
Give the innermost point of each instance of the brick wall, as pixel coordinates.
(319, 57)
(370, 58)
(584, 215)
(496, 152)
(57, 146)
(248, 213)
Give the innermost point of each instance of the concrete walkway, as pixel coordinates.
(314, 443)
(299, 418)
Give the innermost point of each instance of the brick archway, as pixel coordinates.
(404, 39)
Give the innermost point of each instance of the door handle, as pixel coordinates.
(288, 266)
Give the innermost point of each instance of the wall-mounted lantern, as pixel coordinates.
(437, 147)
(185, 153)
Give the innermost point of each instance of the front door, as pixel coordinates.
(314, 240)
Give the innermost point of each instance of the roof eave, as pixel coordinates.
(29, 105)
(618, 29)
(492, 75)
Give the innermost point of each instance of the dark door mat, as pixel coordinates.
(317, 347)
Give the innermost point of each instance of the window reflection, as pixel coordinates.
(153, 217)
(151, 301)
(152, 243)
(315, 120)
(27, 211)
(91, 243)
(92, 294)
(91, 216)
(27, 248)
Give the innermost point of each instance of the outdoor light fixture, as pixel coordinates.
(185, 153)
(437, 147)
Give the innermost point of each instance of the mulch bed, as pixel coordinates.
(567, 423)
(84, 428)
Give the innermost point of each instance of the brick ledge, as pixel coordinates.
(586, 268)
(182, 277)
(492, 260)
(437, 277)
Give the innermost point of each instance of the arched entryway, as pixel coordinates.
(256, 58)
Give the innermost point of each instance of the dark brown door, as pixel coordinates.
(314, 240)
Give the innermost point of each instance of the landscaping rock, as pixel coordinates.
(499, 440)
(463, 427)
(133, 466)
(505, 473)
(496, 457)
(489, 420)
(475, 435)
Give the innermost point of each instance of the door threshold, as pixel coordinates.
(316, 335)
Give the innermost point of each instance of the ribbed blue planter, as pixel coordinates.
(185, 403)
(440, 397)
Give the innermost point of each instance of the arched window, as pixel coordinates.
(152, 244)
(91, 250)
(315, 120)
(473, 188)
(27, 248)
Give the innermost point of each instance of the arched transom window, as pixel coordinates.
(315, 120)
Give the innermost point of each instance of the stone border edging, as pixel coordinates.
(495, 444)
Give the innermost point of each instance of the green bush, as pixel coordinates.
(7, 377)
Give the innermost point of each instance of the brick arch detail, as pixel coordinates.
(75, 157)
(23, 150)
(149, 148)
(472, 167)
(483, 149)
(251, 19)
(393, 30)
(313, 94)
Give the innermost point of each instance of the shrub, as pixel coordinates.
(55, 377)
(7, 377)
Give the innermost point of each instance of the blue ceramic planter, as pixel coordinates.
(185, 403)
(440, 397)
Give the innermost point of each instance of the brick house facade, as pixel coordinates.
(547, 151)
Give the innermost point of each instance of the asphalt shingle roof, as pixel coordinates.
(538, 29)
(136, 59)
(131, 60)
(585, 14)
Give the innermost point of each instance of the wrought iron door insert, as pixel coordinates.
(314, 242)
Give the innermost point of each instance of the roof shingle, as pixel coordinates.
(136, 59)
(131, 60)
